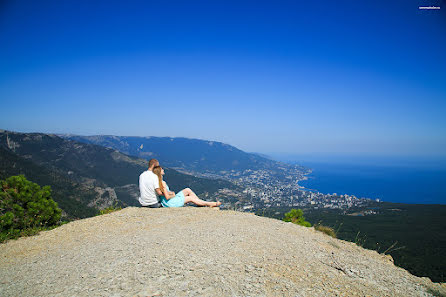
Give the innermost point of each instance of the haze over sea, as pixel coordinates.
(394, 179)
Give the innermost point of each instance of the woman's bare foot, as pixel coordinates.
(218, 203)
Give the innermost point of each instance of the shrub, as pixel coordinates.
(25, 208)
(109, 209)
(325, 229)
(296, 216)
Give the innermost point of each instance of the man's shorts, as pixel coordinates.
(156, 205)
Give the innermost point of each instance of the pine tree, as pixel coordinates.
(25, 206)
(296, 216)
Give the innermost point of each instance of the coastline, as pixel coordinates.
(389, 184)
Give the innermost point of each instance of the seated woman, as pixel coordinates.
(169, 199)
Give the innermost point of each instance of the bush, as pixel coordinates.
(109, 209)
(25, 208)
(296, 216)
(325, 229)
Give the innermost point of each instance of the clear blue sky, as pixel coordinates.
(363, 77)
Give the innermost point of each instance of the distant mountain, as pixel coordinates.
(193, 155)
(262, 155)
(86, 177)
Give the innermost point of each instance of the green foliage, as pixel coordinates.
(325, 229)
(296, 216)
(25, 208)
(109, 209)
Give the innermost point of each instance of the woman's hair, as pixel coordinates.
(157, 171)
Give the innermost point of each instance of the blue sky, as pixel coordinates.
(341, 77)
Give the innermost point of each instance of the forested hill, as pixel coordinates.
(193, 154)
(86, 177)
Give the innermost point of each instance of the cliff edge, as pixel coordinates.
(197, 252)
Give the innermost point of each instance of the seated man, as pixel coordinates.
(148, 182)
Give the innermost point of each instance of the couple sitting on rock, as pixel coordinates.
(152, 186)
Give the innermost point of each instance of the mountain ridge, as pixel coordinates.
(196, 154)
(95, 176)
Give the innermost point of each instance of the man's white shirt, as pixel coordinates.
(148, 182)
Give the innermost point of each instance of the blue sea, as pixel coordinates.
(420, 181)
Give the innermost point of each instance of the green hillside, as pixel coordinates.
(87, 177)
(71, 197)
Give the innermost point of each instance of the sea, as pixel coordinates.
(403, 180)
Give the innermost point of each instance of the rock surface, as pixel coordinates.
(197, 252)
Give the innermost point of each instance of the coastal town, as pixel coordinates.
(266, 188)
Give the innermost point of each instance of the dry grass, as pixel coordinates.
(324, 229)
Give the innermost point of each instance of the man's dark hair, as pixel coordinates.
(153, 162)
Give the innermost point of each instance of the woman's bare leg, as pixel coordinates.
(190, 196)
